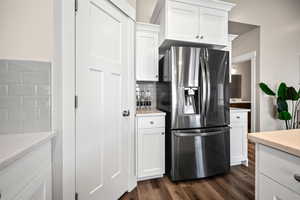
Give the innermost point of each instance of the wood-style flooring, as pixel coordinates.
(236, 185)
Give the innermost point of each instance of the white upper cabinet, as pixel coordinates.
(192, 21)
(147, 52)
(213, 25)
(182, 20)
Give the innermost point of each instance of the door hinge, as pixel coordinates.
(76, 102)
(76, 5)
(76, 196)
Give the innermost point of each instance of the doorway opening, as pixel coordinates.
(243, 93)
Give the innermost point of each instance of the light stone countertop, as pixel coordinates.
(239, 109)
(15, 146)
(152, 112)
(284, 140)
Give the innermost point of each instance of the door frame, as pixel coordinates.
(63, 88)
(251, 56)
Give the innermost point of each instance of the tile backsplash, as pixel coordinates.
(25, 96)
(151, 86)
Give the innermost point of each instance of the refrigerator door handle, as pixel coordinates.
(208, 84)
(204, 85)
(198, 134)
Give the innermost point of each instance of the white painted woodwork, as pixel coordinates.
(192, 21)
(238, 138)
(29, 177)
(183, 21)
(150, 147)
(228, 48)
(275, 172)
(271, 190)
(213, 26)
(151, 122)
(280, 166)
(147, 52)
(102, 133)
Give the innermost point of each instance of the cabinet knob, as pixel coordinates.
(297, 177)
(197, 37)
(151, 122)
(156, 76)
(238, 117)
(201, 37)
(162, 133)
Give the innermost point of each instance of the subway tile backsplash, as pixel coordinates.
(25, 96)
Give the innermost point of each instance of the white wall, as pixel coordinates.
(246, 43)
(244, 69)
(26, 29)
(279, 45)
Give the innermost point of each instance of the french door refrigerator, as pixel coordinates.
(193, 91)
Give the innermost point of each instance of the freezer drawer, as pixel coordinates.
(200, 153)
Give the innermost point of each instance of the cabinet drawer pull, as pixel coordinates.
(238, 117)
(297, 177)
(151, 122)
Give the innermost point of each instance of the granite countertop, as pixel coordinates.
(15, 146)
(143, 112)
(284, 140)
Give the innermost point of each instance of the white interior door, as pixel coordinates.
(102, 81)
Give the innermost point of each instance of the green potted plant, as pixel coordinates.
(285, 96)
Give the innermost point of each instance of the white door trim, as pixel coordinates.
(126, 8)
(251, 56)
(63, 95)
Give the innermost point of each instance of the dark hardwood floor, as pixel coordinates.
(236, 185)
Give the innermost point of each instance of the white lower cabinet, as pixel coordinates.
(28, 178)
(238, 138)
(271, 190)
(150, 147)
(276, 173)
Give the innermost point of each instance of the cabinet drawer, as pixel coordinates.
(270, 190)
(280, 166)
(238, 118)
(151, 122)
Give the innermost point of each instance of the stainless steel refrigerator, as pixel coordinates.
(193, 91)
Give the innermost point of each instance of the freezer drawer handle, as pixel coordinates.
(198, 134)
(297, 177)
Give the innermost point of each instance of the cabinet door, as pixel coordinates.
(39, 188)
(236, 143)
(183, 21)
(213, 26)
(146, 56)
(150, 152)
(271, 190)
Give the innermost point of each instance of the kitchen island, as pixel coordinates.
(277, 165)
